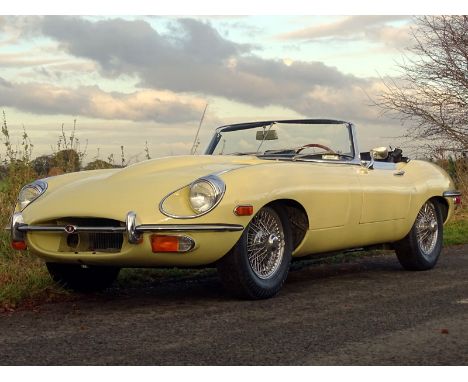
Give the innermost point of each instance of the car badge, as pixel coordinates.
(70, 229)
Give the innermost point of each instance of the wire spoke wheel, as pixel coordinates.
(427, 229)
(265, 244)
(257, 266)
(420, 249)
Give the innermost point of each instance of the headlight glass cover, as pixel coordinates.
(31, 192)
(205, 193)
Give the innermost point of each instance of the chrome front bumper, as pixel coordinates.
(451, 194)
(133, 231)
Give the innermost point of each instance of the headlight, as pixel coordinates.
(206, 193)
(31, 192)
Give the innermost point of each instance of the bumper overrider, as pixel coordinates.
(132, 231)
(455, 196)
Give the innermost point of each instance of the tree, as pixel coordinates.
(98, 164)
(68, 160)
(43, 164)
(432, 92)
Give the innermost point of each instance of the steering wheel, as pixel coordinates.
(318, 145)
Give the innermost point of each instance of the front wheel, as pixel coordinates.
(420, 249)
(258, 265)
(84, 279)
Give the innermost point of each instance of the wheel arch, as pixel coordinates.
(297, 216)
(441, 202)
(444, 206)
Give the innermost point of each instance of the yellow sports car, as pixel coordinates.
(263, 193)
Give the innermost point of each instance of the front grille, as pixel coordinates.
(105, 241)
(108, 242)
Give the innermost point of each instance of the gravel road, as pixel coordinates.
(366, 312)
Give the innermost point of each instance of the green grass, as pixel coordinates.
(456, 232)
(23, 279)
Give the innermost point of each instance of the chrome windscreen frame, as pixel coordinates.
(356, 160)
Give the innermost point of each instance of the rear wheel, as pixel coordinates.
(421, 248)
(82, 279)
(258, 265)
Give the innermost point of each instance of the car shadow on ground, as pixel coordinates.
(208, 288)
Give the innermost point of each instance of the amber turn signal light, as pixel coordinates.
(19, 245)
(245, 210)
(171, 243)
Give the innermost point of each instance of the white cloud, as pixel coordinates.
(91, 101)
(373, 28)
(193, 58)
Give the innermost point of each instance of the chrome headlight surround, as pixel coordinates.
(30, 193)
(214, 184)
(205, 194)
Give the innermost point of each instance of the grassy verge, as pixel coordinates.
(24, 279)
(456, 232)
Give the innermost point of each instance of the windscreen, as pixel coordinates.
(284, 138)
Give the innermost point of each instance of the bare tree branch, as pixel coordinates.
(432, 91)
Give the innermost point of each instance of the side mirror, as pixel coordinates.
(379, 153)
(269, 135)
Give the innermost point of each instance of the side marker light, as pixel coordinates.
(243, 210)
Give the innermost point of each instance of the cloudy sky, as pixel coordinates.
(128, 80)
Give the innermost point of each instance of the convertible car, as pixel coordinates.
(263, 194)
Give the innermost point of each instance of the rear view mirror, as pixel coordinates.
(269, 135)
(379, 153)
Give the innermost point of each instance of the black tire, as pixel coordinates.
(82, 279)
(420, 249)
(259, 279)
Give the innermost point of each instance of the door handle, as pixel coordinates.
(399, 173)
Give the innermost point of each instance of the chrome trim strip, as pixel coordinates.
(450, 194)
(48, 228)
(189, 227)
(138, 229)
(235, 167)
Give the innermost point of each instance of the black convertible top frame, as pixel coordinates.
(249, 125)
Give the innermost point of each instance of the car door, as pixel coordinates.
(332, 198)
(386, 193)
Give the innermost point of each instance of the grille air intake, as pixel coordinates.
(105, 241)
